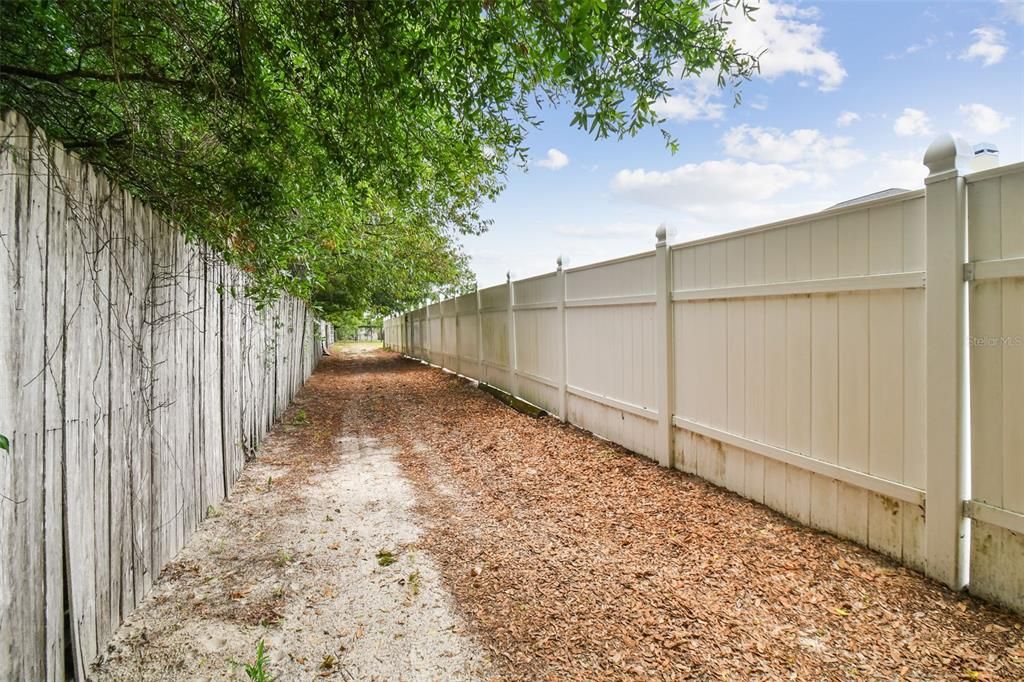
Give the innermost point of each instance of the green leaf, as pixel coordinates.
(340, 151)
(5, 444)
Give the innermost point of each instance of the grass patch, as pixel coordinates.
(257, 670)
(299, 418)
(386, 557)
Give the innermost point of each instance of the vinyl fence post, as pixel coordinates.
(563, 412)
(443, 362)
(947, 477)
(408, 329)
(481, 370)
(513, 376)
(664, 367)
(458, 359)
(428, 346)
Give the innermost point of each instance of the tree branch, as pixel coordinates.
(84, 74)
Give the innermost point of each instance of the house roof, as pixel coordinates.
(892, 191)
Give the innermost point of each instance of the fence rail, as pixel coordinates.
(135, 377)
(818, 365)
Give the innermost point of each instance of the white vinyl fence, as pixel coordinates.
(818, 365)
(135, 378)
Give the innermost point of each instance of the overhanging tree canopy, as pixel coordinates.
(337, 148)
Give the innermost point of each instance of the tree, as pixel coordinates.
(337, 149)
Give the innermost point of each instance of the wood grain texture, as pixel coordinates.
(122, 394)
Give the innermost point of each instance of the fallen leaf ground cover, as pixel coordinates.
(574, 559)
(401, 524)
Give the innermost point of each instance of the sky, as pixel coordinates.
(849, 97)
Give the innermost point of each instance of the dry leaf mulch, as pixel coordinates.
(574, 559)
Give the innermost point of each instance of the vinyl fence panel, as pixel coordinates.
(494, 330)
(764, 405)
(816, 365)
(467, 334)
(996, 342)
(537, 340)
(609, 313)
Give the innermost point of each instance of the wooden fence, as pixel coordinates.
(821, 365)
(135, 379)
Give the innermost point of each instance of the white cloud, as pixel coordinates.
(917, 47)
(847, 118)
(707, 183)
(554, 160)
(894, 170)
(805, 148)
(913, 48)
(792, 43)
(912, 122)
(989, 46)
(984, 120)
(696, 99)
(1014, 9)
(709, 197)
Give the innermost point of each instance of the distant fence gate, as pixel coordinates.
(135, 377)
(826, 366)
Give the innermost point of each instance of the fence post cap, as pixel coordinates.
(948, 153)
(661, 234)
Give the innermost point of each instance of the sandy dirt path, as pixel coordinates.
(316, 555)
(526, 549)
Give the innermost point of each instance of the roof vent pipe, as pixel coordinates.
(986, 155)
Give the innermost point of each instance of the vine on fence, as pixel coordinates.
(124, 334)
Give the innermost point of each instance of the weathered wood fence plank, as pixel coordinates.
(135, 379)
(53, 373)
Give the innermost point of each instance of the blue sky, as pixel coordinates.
(850, 96)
